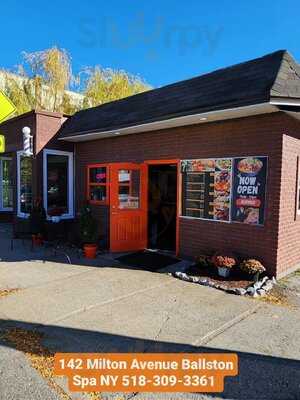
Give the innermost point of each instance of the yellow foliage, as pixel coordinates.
(105, 85)
(45, 77)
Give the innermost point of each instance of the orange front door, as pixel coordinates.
(128, 207)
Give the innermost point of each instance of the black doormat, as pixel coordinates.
(147, 260)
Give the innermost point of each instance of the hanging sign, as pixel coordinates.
(249, 189)
(6, 107)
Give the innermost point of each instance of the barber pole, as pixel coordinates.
(27, 141)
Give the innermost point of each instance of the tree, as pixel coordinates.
(41, 82)
(44, 78)
(103, 85)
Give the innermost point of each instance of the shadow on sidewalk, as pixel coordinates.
(260, 377)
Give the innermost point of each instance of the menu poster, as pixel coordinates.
(207, 188)
(249, 189)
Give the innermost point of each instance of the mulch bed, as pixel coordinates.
(236, 279)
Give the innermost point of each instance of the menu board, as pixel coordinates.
(207, 188)
(249, 189)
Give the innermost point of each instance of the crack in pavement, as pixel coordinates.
(216, 332)
(102, 303)
(50, 282)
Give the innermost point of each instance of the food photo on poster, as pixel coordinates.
(249, 190)
(207, 188)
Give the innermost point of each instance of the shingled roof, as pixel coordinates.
(275, 75)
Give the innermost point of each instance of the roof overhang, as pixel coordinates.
(232, 113)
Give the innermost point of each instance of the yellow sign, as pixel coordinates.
(6, 106)
(2, 144)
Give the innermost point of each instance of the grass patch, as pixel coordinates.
(277, 296)
(41, 358)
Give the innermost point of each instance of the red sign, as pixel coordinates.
(248, 202)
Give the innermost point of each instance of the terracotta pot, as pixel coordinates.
(224, 272)
(90, 250)
(37, 240)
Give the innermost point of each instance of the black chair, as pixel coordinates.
(55, 238)
(21, 230)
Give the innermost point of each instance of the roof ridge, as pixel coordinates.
(239, 85)
(283, 81)
(170, 85)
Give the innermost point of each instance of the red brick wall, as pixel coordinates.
(47, 126)
(12, 129)
(289, 222)
(241, 137)
(44, 127)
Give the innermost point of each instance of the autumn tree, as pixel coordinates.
(41, 82)
(103, 85)
(44, 79)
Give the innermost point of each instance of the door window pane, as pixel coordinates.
(57, 184)
(7, 185)
(124, 176)
(129, 189)
(25, 184)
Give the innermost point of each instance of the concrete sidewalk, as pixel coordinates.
(105, 309)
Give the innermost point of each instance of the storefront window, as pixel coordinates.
(6, 185)
(58, 183)
(24, 165)
(97, 186)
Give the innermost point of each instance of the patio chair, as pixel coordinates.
(21, 230)
(55, 236)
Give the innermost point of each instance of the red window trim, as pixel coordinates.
(89, 184)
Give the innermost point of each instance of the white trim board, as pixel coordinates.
(3, 209)
(70, 156)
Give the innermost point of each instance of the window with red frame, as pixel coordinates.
(97, 184)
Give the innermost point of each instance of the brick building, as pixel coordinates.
(211, 163)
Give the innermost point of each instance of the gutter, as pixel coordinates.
(284, 101)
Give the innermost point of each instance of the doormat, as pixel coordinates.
(147, 260)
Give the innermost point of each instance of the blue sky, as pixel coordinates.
(162, 41)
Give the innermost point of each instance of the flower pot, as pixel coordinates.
(256, 276)
(90, 250)
(224, 272)
(37, 240)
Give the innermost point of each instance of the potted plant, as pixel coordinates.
(252, 267)
(224, 264)
(88, 232)
(37, 220)
(202, 261)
